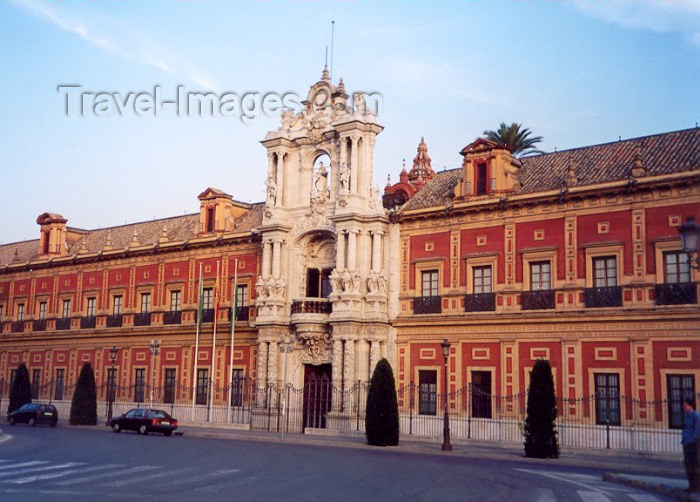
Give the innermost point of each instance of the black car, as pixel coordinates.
(143, 421)
(34, 413)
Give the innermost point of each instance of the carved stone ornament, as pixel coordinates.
(316, 346)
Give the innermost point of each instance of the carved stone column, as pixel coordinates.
(261, 370)
(349, 366)
(279, 179)
(340, 253)
(276, 258)
(271, 165)
(266, 259)
(337, 371)
(352, 250)
(374, 355)
(272, 364)
(354, 164)
(377, 251)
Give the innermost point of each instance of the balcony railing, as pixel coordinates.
(87, 322)
(114, 321)
(207, 315)
(319, 306)
(603, 297)
(685, 293)
(63, 323)
(427, 305)
(17, 327)
(242, 313)
(172, 317)
(480, 302)
(538, 300)
(39, 325)
(142, 319)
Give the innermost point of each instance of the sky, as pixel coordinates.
(577, 72)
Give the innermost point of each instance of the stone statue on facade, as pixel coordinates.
(271, 191)
(321, 180)
(347, 281)
(344, 178)
(336, 286)
(372, 282)
(356, 282)
(381, 283)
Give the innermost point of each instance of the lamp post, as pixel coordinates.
(154, 348)
(690, 234)
(111, 381)
(285, 347)
(446, 445)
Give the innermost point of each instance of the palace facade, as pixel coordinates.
(571, 256)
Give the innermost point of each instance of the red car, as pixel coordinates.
(143, 421)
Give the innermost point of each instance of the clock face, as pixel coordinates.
(321, 99)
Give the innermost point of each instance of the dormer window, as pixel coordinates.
(210, 219)
(481, 179)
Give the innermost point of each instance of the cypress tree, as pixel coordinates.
(540, 434)
(382, 414)
(83, 408)
(21, 390)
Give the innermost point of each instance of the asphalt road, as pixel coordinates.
(73, 464)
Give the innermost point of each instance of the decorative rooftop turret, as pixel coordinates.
(412, 181)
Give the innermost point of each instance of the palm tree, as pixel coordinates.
(516, 138)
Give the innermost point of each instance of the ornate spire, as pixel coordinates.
(571, 179)
(421, 165)
(134, 239)
(108, 244)
(638, 170)
(163, 235)
(325, 76)
(15, 256)
(341, 85)
(83, 247)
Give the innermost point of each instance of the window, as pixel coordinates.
(42, 311)
(427, 392)
(482, 279)
(90, 307)
(318, 284)
(117, 305)
(210, 219)
(481, 394)
(65, 313)
(540, 276)
(175, 301)
(605, 270)
(680, 387)
(242, 295)
(237, 387)
(481, 186)
(145, 303)
(111, 384)
(429, 283)
(207, 298)
(58, 388)
(44, 242)
(140, 384)
(607, 398)
(202, 386)
(170, 381)
(20, 311)
(676, 269)
(36, 383)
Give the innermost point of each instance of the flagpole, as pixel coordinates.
(200, 293)
(234, 311)
(213, 343)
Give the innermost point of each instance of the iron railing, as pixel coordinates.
(87, 322)
(17, 327)
(683, 293)
(172, 317)
(63, 323)
(314, 306)
(114, 321)
(39, 325)
(538, 300)
(427, 305)
(480, 302)
(142, 319)
(242, 313)
(603, 297)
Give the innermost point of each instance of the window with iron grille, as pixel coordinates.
(607, 398)
(207, 298)
(111, 384)
(117, 305)
(676, 268)
(429, 283)
(481, 394)
(482, 279)
(145, 303)
(540, 276)
(680, 387)
(202, 386)
(175, 301)
(237, 387)
(90, 307)
(20, 312)
(36, 383)
(65, 313)
(42, 311)
(140, 384)
(58, 388)
(605, 272)
(427, 392)
(170, 382)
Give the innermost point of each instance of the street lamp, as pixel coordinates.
(111, 382)
(446, 445)
(154, 348)
(285, 347)
(690, 232)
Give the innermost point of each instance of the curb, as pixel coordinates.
(653, 486)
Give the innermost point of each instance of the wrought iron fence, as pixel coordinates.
(631, 424)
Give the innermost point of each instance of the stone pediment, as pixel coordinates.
(482, 145)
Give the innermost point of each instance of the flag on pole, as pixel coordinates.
(196, 343)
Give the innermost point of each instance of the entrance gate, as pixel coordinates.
(317, 395)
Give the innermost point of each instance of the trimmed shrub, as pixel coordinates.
(540, 434)
(21, 389)
(382, 415)
(83, 407)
